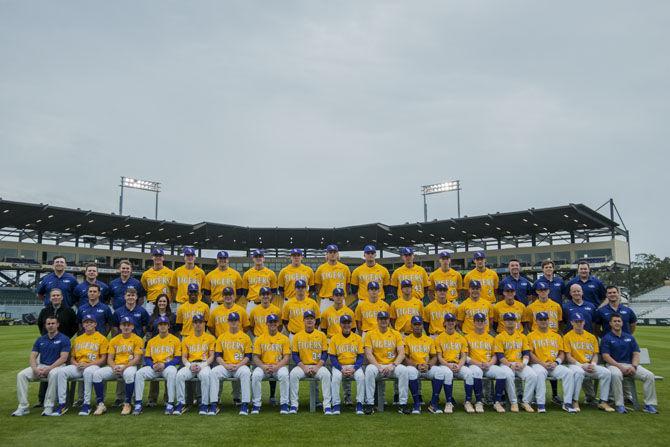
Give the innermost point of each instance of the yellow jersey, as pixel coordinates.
(89, 348)
(366, 312)
(163, 350)
(258, 318)
(402, 311)
(185, 313)
(125, 349)
(480, 346)
(434, 313)
(489, 280)
(197, 349)
(511, 346)
(330, 320)
(501, 308)
(452, 347)
(271, 349)
(468, 308)
(384, 345)
(156, 282)
(217, 280)
(293, 313)
(289, 275)
(330, 277)
(419, 349)
(233, 347)
(546, 346)
(253, 279)
(310, 346)
(346, 348)
(416, 274)
(218, 320)
(362, 275)
(451, 278)
(182, 277)
(581, 347)
(551, 307)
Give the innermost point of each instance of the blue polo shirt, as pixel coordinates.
(524, 288)
(593, 288)
(620, 348)
(556, 287)
(118, 291)
(101, 312)
(586, 309)
(81, 292)
(50, 349)
(66, 283)
(603, 314)
(138, 314)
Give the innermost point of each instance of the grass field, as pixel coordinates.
(591, 427)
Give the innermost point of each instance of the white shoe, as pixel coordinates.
(47, 411)
(21, 412)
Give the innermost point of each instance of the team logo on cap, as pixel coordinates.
(445, 254)
(233, 316)
(509, 316)
(265, 291)
(373, 285)
(332, 247)
(441, 286)
(300, 284)
(227, 291)
(382, 314)
(193, 288)
(479, 317)
(346, 319)
(272, 318)
(541, 316)
(338, 291)
(417, 320)
(222, 254)
(474, 284)
(449, 317)
(541, 286)
(257, 254)
(509, 287)
(405, 283)
(406, 251)
(309, 314)
(188, 251)
(479, 255)
(369, 249)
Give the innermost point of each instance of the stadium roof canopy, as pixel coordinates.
(43, 221)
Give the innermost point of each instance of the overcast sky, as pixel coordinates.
(334, 113)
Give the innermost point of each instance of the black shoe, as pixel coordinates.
(237, 402)
(118, 403)
(369, 409)
(402, 409)
(557, 400)
(38, 405)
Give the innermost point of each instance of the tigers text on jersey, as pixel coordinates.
(289, 275)
(451, 278)
(125, 349)
(416, 274)
(511, 346)
(468, 308)
(366, 313)
(480, 346)
(330, 320)
(185, 313)
(272, 348)
(218, 279)
(310, 346)
(363, 274)
(551, 307)
(218, 320)
(293, 313)
(402, 311)
(253, 279)
(156, 282)
(330, 277)
(89, 348)
(384, 345)
(233, 347)
(419, 349)
(182, 277)
(258, 318)
(452, 347)
(581, 347)
(163, 349)
(197, 349)
(434, 312)
(546, 346)
(501, 308)
(489, 280)
(346, 348)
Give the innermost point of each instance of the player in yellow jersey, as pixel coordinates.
(329, 276)
(547, 355)
(257, 277)
(291, 273)
(509, 304)
(218, 320)
(385, 352)
(543, 304)
(124, 353)
(294, 309)
(472, 305)
(271, 354)
(447, 276)
(421, 361)
(513, 352)
(581, 355)
(259, 314)
(410, 272)
(487, 278)
(434, 312)
(161, 359)
(452, 353)
(222, 277)
(88, 354)
(346, 357)
(189, 273)
(404, 307)
(156, 279)
(232, 356)
(189, 309)
(197, 354)
(309, 350)
(367, 311)
(369, 271)
(330, 320)
(482, 363)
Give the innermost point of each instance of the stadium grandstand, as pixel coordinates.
(653, 307)
(32, 234)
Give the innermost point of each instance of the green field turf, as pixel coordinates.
(269, 428)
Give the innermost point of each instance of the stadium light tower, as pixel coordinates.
(437, 188)
(144, 185)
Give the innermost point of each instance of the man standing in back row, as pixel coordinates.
(369, 271)
(331, 275)
(410, 272)
(485, 276)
